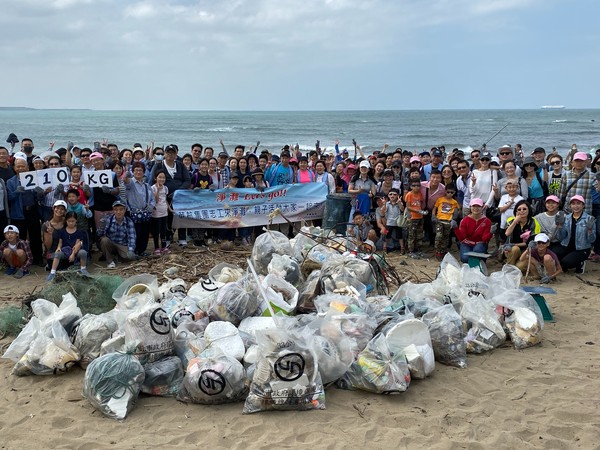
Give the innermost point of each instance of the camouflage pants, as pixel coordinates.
(415, 234)
(442, 236)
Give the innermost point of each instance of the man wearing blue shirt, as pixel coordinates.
(117, 235)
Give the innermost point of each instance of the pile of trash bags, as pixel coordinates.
(277, 335)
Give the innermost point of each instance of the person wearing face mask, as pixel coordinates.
(27, 148)
(158, 155)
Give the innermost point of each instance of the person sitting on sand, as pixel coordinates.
(521, 228)
(71, 246)
(15, 253)
(542, 262)
(576, 234)
(474, 231)
(117, 235)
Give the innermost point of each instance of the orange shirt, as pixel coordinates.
(414, 201)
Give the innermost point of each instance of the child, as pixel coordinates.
(445, 212)
(160, 213)
(360, 228)
(393, 209)
(82, 210)
(71, 245)
(543, 262)
(507, 204)
(15, 253)
(415, 204)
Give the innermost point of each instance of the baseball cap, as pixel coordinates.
(476, 202)
(223, 155)
(137, 149)
(580, 156)
(284, 153)
(388, 172)
(552, 198)
(345, 151)
(541, 237)
(96, 155)
(577, 198)
(20, 155)
(415, 159)
(12, 228)
(119, 203)
(136, 145)
(528, 160)
(60, 203)
(365, 164)
(505, 148)
(539, 150)
(424, 154)
(234, 175)
(351, 166)
(437, 153)
(486, 155)
(495, 160)
(170, 148)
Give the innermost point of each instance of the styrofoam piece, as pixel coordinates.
(225, 336)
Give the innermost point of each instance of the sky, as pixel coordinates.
(299, 54)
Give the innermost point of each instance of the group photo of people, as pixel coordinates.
(532, 208)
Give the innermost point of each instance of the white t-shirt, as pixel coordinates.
(161, 208)
(510, 211)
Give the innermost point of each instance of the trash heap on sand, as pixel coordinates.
(304, 317)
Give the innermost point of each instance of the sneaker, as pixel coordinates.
(183, 243)
(165, 251)
(423, 255)
(581, 269)
(111, 265)
(84, 272)
(20, 273)
(50, 276)
(414, 255)
(10, 270)
(167, 244)
(157, 252)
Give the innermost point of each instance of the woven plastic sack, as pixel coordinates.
(286, 376)
(112, 384)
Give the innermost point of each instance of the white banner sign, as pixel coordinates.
(98, 178)
(46, 178)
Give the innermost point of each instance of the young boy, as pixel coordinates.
(543, 263)
(507, 204)
(393, 210)
(15, 253)
(82, 210)
(359, 229)
(415, 204)
(445, 212)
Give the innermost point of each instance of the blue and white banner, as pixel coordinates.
(247, 207)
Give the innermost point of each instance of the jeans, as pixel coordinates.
(480, 247)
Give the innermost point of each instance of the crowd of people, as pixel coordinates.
(541, 209)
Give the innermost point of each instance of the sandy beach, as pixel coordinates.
(542, 397)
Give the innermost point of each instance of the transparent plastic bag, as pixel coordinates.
(343, 304)
(484, 330)
(377, 369)
(524, 328)
(89, 333)
(474, 282)
(307, 292)
(205, 292)
(447, 336)
(50, 353)
(112, 384)
(163, 377)
(189, 341)
(213, 378)
(265, 246)
(149, 330)
(350, 268)
(226, 337)
(286, 376)
(411, 337)
(359, 327)
(343, 285)
(236, 301)
(225, 273)
(282, 295)
(285, 267)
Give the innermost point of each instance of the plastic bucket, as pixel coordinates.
(337, 212)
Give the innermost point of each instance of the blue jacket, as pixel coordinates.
(18, 200)
(584, 238)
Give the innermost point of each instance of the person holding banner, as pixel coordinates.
(117, 235)
(24, 211)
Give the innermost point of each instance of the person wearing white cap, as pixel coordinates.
(577, 181)
(50, 230)
(576, 234)
(541, 262)
(363, 187)
(16, 253)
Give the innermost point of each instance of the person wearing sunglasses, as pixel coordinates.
(555, 174)
(521, 228)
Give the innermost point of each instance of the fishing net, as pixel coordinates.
(93, 294)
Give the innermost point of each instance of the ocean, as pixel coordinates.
(412, 130)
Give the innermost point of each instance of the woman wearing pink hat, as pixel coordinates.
(548, 218)
(474, 232)
(576, 234)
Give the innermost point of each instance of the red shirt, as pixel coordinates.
(476, 231)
